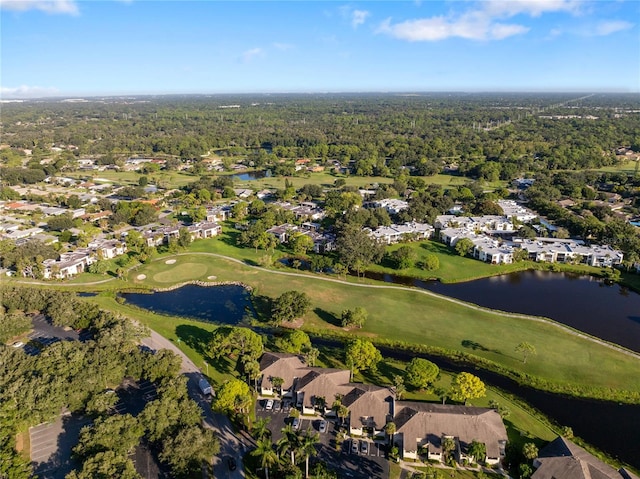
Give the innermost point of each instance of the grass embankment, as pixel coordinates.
(167, 179)
(415, 317)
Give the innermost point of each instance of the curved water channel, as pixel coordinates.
(612, 427)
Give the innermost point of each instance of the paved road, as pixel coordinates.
(231, 445)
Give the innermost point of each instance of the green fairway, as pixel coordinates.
(418, 317)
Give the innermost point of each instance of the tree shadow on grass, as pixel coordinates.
(440, 248)
(327, 317)
(194, 337)
(384, 374)
(470, 344)
(262, 307)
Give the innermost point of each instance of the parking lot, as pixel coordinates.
(51, 445)
(44, 334)
(371, 463)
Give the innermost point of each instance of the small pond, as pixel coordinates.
(251, 175)
(225, 304)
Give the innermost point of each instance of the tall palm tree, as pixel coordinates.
(260, 428)
(290, 442)
(308, 447)
(267, 455)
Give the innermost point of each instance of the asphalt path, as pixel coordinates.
(231, 444)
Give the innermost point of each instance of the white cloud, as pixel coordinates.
(249, 55)
(470, 27)
(69, 7)
(480, 22)
(24, 91)
(533, 8)
(358, 17)
(612, 26)
(354, 16)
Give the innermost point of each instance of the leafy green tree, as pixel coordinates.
(119, 434)
(464, 246)
(60, 223)
(354, 318)
(390, 430)
(301, 244)
(295, 342)
(530, 451)
(362, 354)
(311, 355)
(188, 449)
(467, 386)
(356, 249)
(525, 471)
(227, 394)
(431, 262)
(99, 267)
(404, 257)
(13, 324)
(421, 373)
(106, 465)
(289, 306)
(526, 349)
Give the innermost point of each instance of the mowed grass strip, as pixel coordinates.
(415, 317)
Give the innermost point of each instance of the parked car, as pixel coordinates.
(277, 405)
(286, 406)
(269, 405)
(364, 447)
(231, 462)
(322, 427)
(354, 446)
(296, 423)
(18, 344)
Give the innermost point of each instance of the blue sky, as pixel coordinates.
(73, 48)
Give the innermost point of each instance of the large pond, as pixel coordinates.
(226, 304)
(610, 312)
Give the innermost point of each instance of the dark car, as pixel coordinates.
(231, 462)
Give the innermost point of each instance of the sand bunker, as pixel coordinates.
(170, 261)
(141, 276)
(211, 277)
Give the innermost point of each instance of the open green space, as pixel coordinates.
(414, 317)
(167, 179)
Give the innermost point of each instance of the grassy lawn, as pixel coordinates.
(416, 317)
(626, 167)
(168, 179)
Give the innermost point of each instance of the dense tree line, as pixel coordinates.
(80, 375)
(378, 134)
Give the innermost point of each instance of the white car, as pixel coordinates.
(269, 405)
(17, 344)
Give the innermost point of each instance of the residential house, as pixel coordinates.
(204, 229)
(321, 384)
(563, 459)
(492, 251)
(283, 232)
(289, 367)
(218, 213)
(511, 209)
(393, 206)
(108, 249)
(69, 264)
(395, 233)
(370, 408)
(424, 426)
